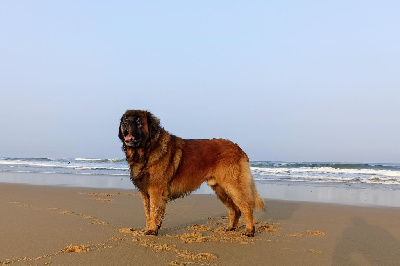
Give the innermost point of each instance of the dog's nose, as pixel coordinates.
(129, 137)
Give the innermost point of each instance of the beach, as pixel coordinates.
(56, 225)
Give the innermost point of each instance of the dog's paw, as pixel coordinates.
(249, 233)
(151, 233)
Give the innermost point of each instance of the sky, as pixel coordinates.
(309, 81)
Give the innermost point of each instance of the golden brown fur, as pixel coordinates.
(164, 167)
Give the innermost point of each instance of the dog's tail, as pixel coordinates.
(258, 202)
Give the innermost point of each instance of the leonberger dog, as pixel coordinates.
(165, 167)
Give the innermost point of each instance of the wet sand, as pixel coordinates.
(51, 225)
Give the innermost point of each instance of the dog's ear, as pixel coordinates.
(154, 126)
(120, 136)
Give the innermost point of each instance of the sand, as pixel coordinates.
(51, 225)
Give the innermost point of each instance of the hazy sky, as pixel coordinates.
(286, 80)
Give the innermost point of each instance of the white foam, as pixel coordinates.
(328, 174)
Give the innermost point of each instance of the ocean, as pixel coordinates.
(383, 175)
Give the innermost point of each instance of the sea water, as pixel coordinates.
(373, 174)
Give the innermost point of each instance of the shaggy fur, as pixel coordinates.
(165, 167)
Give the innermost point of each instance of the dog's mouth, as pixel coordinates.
(131, 141)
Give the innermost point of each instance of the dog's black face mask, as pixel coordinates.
(138, 129)
(132, 132)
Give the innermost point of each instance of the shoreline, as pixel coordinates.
(53, 225)
(292, 191)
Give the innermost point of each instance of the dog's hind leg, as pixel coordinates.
(243, 205)
(234, 189)
(249, 218)
(242, 200)
(233, 210)
(239, 196)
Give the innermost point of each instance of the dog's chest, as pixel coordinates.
(137, 170)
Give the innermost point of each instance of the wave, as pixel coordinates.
(335, 165)
(28, 159)
(91, 160)
(65, 165)
(387, 174)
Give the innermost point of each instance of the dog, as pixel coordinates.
(165, 167)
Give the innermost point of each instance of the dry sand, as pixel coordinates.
(48, 225)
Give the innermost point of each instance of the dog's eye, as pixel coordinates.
(138, 122)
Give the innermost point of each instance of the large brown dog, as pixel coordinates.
(165, 167)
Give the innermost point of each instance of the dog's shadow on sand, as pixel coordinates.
(279, 211)
(367, 244)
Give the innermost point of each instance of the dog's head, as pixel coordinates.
(137, 128)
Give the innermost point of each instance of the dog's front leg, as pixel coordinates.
(158, 200)
(146, 206)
